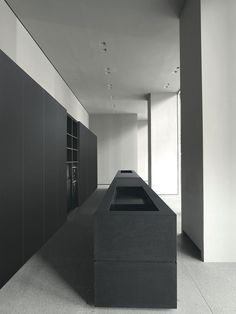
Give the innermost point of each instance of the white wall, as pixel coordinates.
(165, 148)
(208, 85)
(143, 149)
(117, 143)
(219, 128)
(16, 42)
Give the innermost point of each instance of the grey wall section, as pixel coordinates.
(117, 143)
(191, 122)
(143, 149)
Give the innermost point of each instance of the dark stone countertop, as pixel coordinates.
(130, 181)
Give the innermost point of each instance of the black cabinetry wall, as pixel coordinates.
(81, 163)
(11, 170)
(87, 161)
(32, 167)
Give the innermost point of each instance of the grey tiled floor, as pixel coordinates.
(58, 279)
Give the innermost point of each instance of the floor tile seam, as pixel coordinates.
(197, 286)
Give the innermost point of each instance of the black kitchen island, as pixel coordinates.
(134, 247)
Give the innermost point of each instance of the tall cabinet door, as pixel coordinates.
(55, 165)
(61, 162)
(87, 163)
(11, 177)
(93, 162)
(82, 163)
(33, 122)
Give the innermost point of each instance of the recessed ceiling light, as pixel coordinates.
(109, 86)
(176, 70)
(103, 43)
(167, 85)
(107, 70)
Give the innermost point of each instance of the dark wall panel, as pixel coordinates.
(33, 166)
(11, 160)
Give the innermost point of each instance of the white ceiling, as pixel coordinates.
(142, 42)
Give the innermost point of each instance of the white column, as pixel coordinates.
(208, 79)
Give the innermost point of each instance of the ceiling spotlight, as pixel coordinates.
(109, 86)
(107, 70)
(167, 85)
(176, 70)
(103, 43)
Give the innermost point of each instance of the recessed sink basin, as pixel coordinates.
(132, 199)
(126, 171)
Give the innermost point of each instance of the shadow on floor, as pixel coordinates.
(70, 251)
(186, 246)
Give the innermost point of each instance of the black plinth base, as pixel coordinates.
(135, 284)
